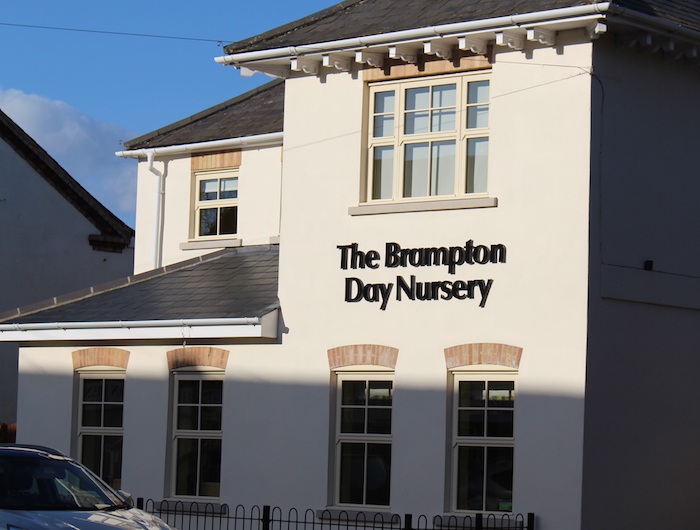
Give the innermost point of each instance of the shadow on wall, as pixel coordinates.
(8, 433)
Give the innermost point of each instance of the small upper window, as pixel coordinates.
(216, 205)
(429, 138)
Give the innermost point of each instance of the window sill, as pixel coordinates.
(210, 243)
(424, 206)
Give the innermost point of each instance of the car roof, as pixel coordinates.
(8, 449)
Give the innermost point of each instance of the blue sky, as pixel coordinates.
(79, 94)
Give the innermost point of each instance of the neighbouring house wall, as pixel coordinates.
(258, 207)
(45, 253)
(640, 457)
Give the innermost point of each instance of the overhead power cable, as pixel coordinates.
(219, 42)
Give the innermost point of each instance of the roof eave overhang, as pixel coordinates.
(243, 327)
(511, 31)
(245, 142)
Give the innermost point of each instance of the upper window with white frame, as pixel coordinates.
(197, 435)
(363, 439)
(483, 441)
(428, 138)
(216, 204)
(100, 425)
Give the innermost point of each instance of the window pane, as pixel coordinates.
(113, 415)
(477, 164)
(470, 478)
(478, 92)
(229, 220)
(378, 474)
(380, 393)
(499, 479)
(443, 168)
(188, 392)
(186, 467)
(445, 95)
(212, 392)
(207, 221)
(379, 421)
(477, 116)
(418, 98)
(443, 120)
(92, 389)
(92, 416)
(210, 468)
(417, 122)
(112, 461)
(91, 455)
(471, 393)
(384, 102)
(353, 393)
(501, 393)
(470, 423)
(229, 188)
(352, 420)
(208, 190)
(500, 423)
(416, 170)
(383, 126)
(188, 418)
(352, 473)
(383, 172)
(211, 418)
(114, 390)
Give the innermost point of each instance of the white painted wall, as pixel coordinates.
(258, 214)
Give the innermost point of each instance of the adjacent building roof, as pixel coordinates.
(113, 235)
(259, 111)
(354, 18)
(232, 283)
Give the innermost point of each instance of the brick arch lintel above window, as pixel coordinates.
(483, 353)
(115, 357)
(197, 356)
(362, 354)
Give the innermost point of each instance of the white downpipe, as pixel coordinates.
(418, 34)
(160, 206)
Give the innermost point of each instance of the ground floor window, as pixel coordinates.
(197, 437)
(100, 432)
(483, 442)
(363, 415)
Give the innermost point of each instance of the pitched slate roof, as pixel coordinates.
(114, 234)
(355, 18)
(240, 282)
(258, 111)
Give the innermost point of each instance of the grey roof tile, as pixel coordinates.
(258, 111)
(357, 18)
(218, 285)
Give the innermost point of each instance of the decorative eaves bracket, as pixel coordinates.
(510, 39)
(438, 48)
(405, 52)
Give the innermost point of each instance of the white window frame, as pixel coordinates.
(365, 438)
(200, 204)
(480, 441)
(193, 434)
(101, 430)
(400, 139)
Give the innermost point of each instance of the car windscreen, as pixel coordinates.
(37, 482)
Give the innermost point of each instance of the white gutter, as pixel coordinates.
(418, 34)
(265, 326)
(259, 140)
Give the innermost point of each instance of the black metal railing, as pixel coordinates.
(200, 516)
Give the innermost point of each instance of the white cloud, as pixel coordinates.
(84, 146)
